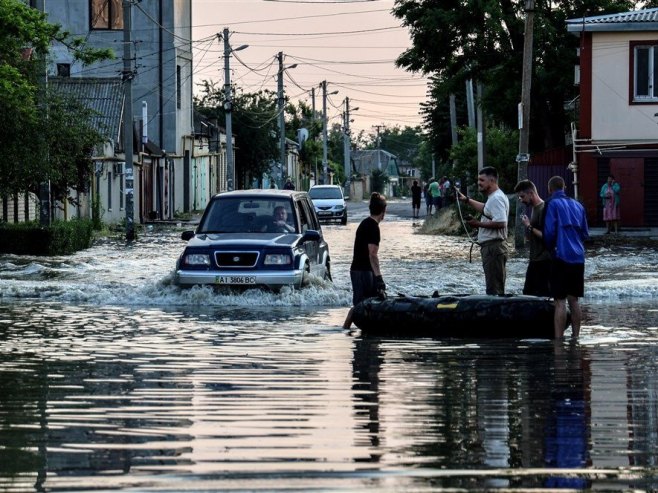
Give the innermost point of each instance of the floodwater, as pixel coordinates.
(111, 379)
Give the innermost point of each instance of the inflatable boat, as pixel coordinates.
(457, 315)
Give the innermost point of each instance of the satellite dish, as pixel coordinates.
(302, 136)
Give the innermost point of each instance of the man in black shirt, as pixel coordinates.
(415, 199)
(366, 277)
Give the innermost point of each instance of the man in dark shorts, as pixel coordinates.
(365, 275)
(565, 232)
(415, 199)
(539, 264)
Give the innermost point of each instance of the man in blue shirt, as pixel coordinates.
(565, 232)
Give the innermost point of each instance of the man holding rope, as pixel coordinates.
(492, 229)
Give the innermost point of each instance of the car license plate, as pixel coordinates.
(235, 280)
(324, 213)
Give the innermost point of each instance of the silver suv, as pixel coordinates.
(329, 203)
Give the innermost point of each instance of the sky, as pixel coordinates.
(350, 44)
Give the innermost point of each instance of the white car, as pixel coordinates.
(329, 203)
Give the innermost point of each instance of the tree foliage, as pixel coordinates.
(42, 138)
(482, 40)
(301, 116)
(255, 128)
(404, 142)
(501, 153)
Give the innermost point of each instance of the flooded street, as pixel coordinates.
(112, 379)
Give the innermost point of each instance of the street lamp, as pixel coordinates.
(228, 108)
(282, 121)
(325, 161)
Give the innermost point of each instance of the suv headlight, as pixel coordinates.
(340, 207)
(277, 259)
(196, 259)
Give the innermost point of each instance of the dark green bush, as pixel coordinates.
(60, 238)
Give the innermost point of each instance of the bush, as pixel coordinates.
(60, 238)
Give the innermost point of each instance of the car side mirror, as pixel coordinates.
(187, 235)
(311, 235)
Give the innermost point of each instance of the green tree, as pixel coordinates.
(255, 128)
(482, 40)
(502, 146)
(336, 152)
(71, 139)
(404, 142)
(378, 179)
(298, 117)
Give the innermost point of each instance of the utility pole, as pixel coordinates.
(228, 109)
(470, 105)
(230, 163)
(313, 102)
(282, 120)
(128, 75)
(453, 123)
(325, 164)
(347, 141)
(481, 128)
(524, 115)
(325, 160)
(379, 153)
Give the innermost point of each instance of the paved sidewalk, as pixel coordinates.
(649, 233)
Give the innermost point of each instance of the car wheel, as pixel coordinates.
(306, 277)
(327, 271)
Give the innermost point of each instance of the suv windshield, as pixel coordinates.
(325, 193)
(247, 215)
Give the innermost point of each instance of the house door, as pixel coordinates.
(147, 190)
(629, 172)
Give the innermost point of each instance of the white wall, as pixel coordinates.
(613, 118)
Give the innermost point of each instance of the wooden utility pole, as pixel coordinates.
(523, 157)
(128, 75)
(281, 107)
(481, 128)
(283, 171)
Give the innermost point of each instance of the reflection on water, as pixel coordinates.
(112, 379)
(117, 398)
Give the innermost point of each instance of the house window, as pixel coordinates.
(645, 72)
(64, 70)
(106, 14)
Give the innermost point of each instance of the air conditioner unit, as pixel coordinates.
(119, 168)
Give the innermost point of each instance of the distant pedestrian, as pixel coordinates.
(610, 195)
(565, 232)
(289, 185)
(435, 194)
(415, 199)
(492, 229)
(428, 198)
(446, 192)
(539, 264)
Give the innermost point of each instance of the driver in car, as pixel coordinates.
(279, 221)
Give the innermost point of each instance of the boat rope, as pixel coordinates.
(468, 234)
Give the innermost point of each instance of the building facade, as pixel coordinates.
(618, 118)
(173, 173)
